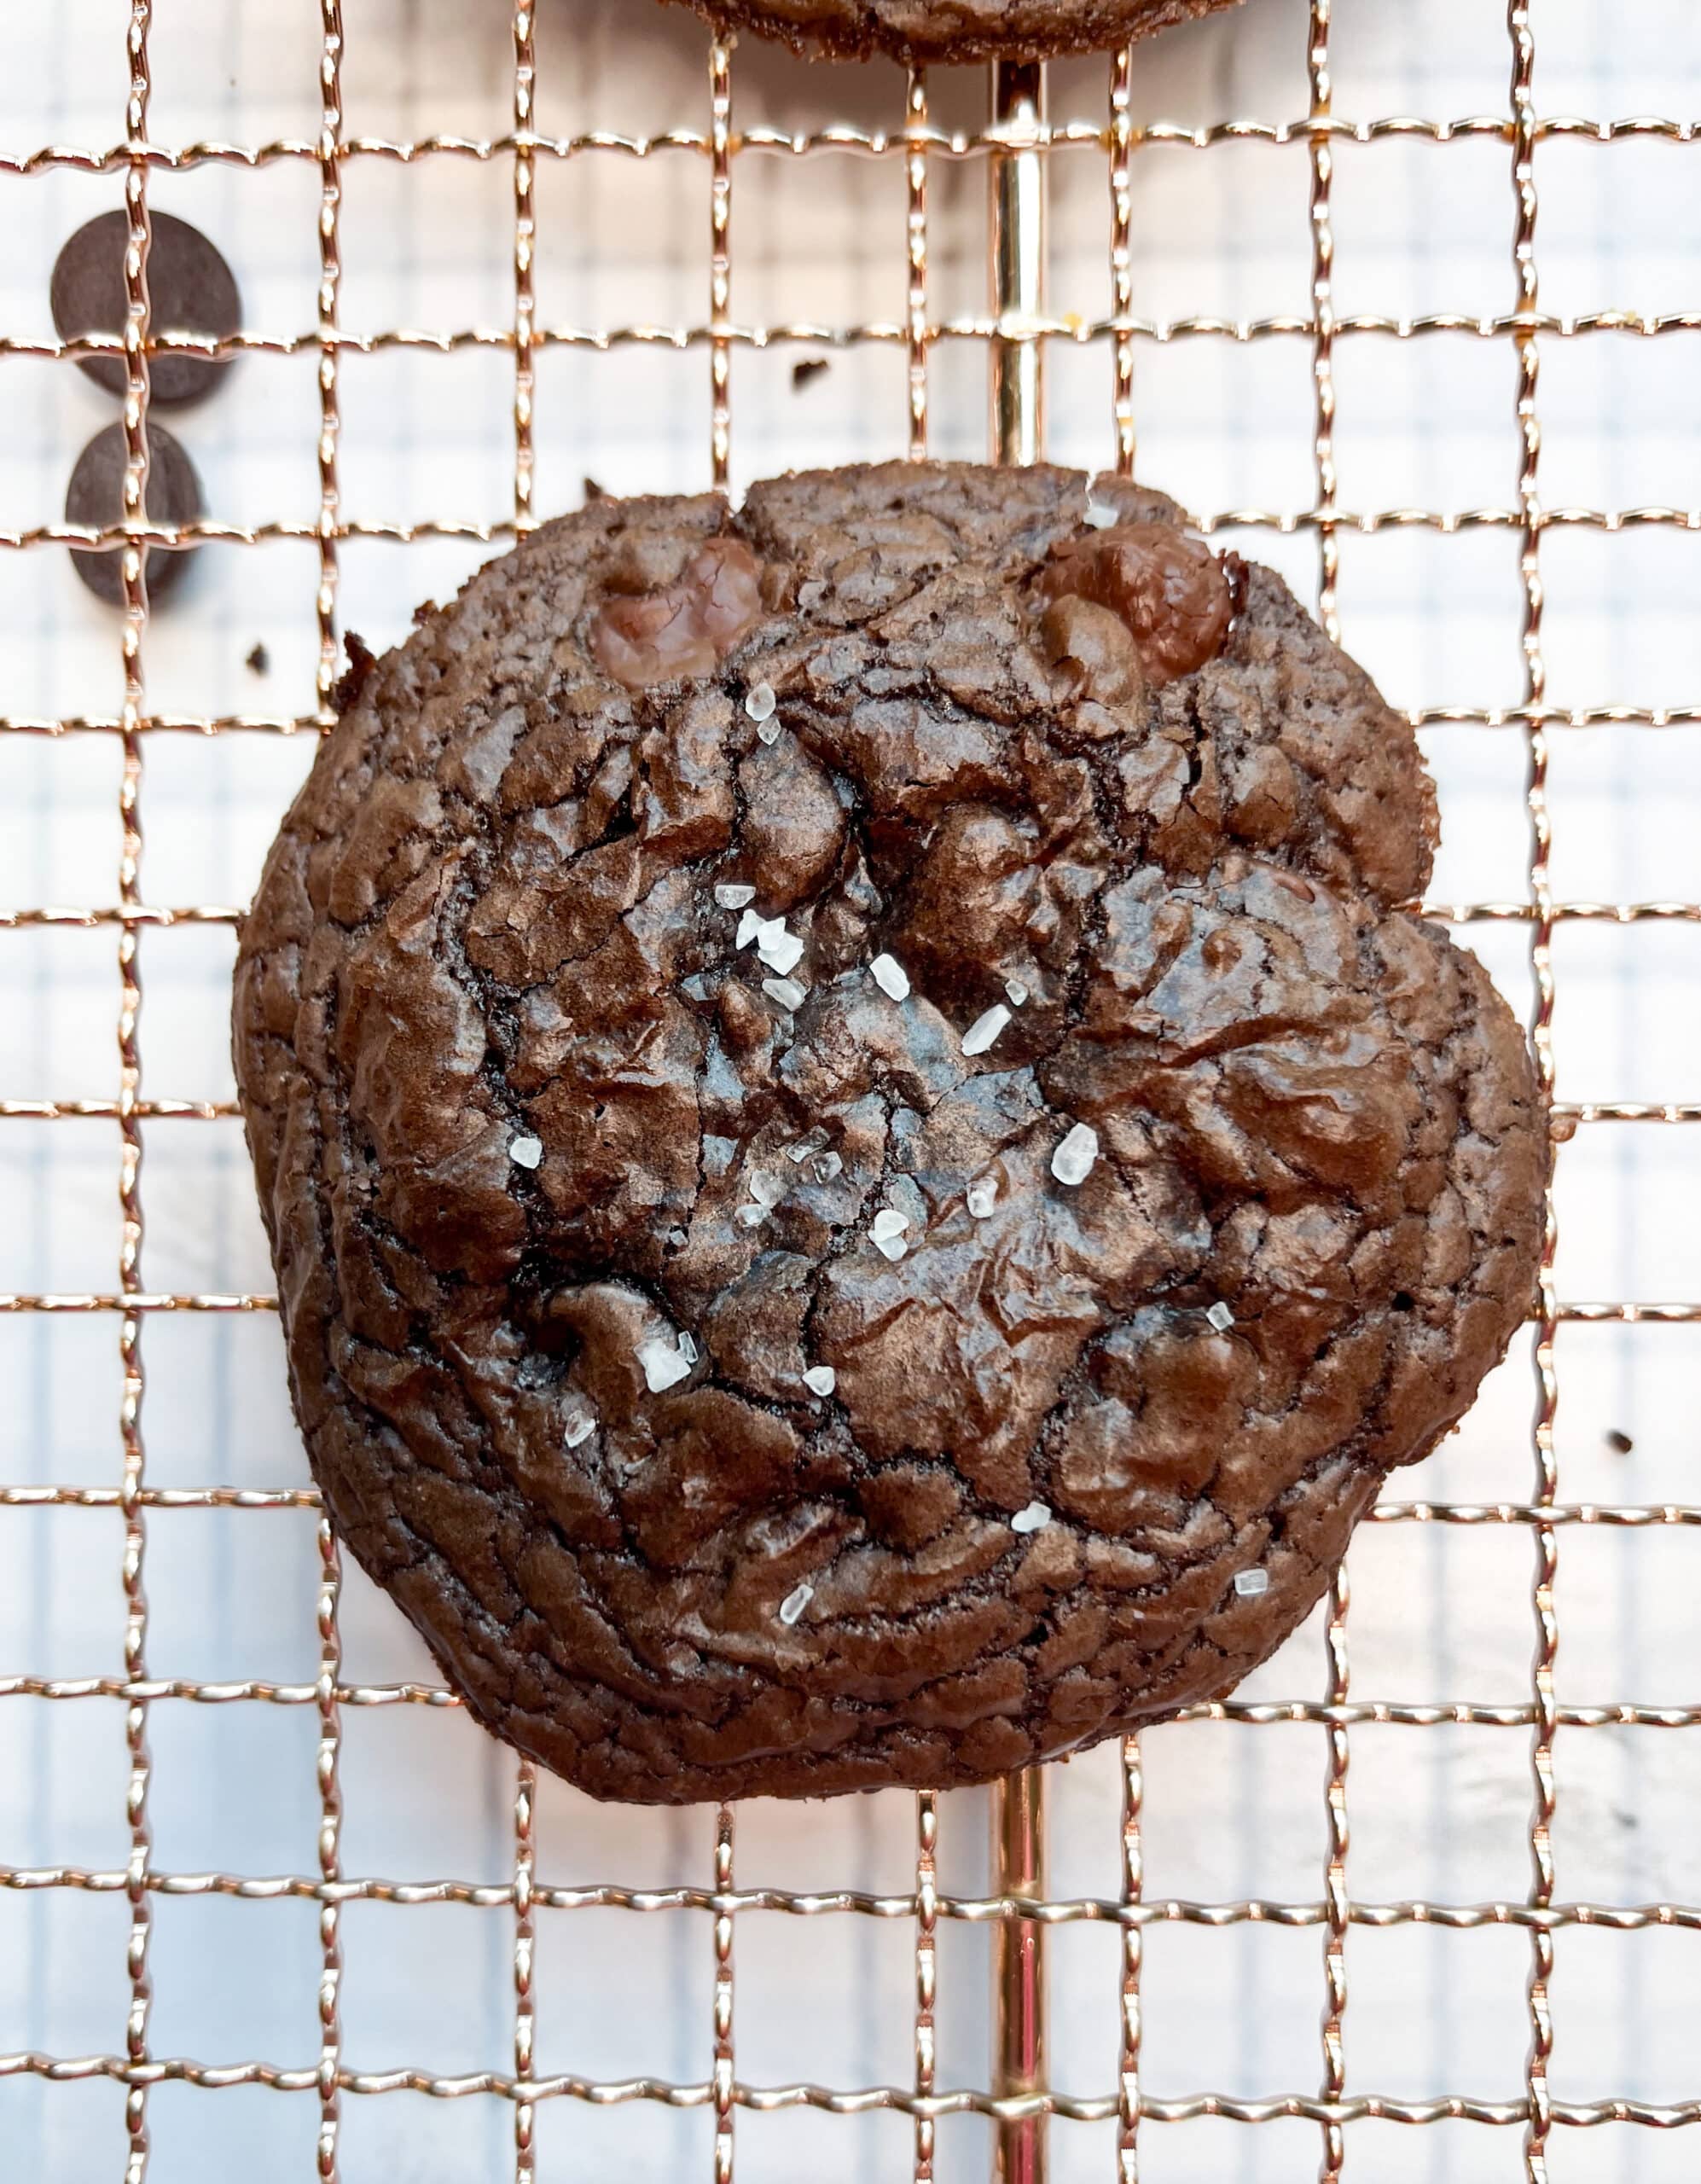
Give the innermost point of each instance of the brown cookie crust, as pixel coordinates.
(524, 1112)
(923, 31)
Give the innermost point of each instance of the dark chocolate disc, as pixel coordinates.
(190, 289)
(95, 497)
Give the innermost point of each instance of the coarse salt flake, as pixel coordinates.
(1017, 991)
(1219, 1317)
(526, 1152)
(986, 1029)
(733, 895)
(759, 702)
(665, 1364)
(887, 1231)
(983, 1196)
(780, 950)
(1100, 516)
(1035, 1518)
(580, 1428)
(749, 927)
(792, 1607)
(890, 977)
(766, 1190)
(820, 1380)
(1072, 1162)
(1248, 1584)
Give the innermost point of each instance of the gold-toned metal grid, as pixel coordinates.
(1016, 332)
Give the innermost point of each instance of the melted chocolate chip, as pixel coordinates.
(685, 630)
(95, 497)
(1169, 590)
(1096, 649)
(191, 290)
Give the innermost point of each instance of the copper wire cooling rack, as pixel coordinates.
(1037, 2115)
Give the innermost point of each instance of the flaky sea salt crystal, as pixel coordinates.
(986, 1029)
(750, 1216)
(887, 1230)
(787, 992)
(580, 1428)
(688, 1348)
(1248, 1584)
(749, 927)
(677, 1239)
(811, 1142)
(792, 1607)
(1035, 1518)
(820, 1380)
(890, 977)
(1100, 516)
(526, 1152)
(1219, 1317)
(780, 950)
(733, 895)
(1072, 1162)
(765, 1189)
(665, 1364)
(826, 1166)
(759, 702)
(1017, 991)
(983, 1196)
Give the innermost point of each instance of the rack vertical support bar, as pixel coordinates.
(1017, 236)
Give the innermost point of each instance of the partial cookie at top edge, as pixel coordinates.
(923, 32)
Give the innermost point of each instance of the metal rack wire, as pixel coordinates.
(1016, 330)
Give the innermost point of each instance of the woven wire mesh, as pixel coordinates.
(1119, 2121)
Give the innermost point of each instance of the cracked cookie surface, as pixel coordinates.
(866, 1174)
(921, 32)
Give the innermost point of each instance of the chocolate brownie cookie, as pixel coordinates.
(866, 1172)
(921, 32)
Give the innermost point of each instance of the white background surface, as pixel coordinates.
(1440, 1612)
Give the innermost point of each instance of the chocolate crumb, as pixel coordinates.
(362, 659)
